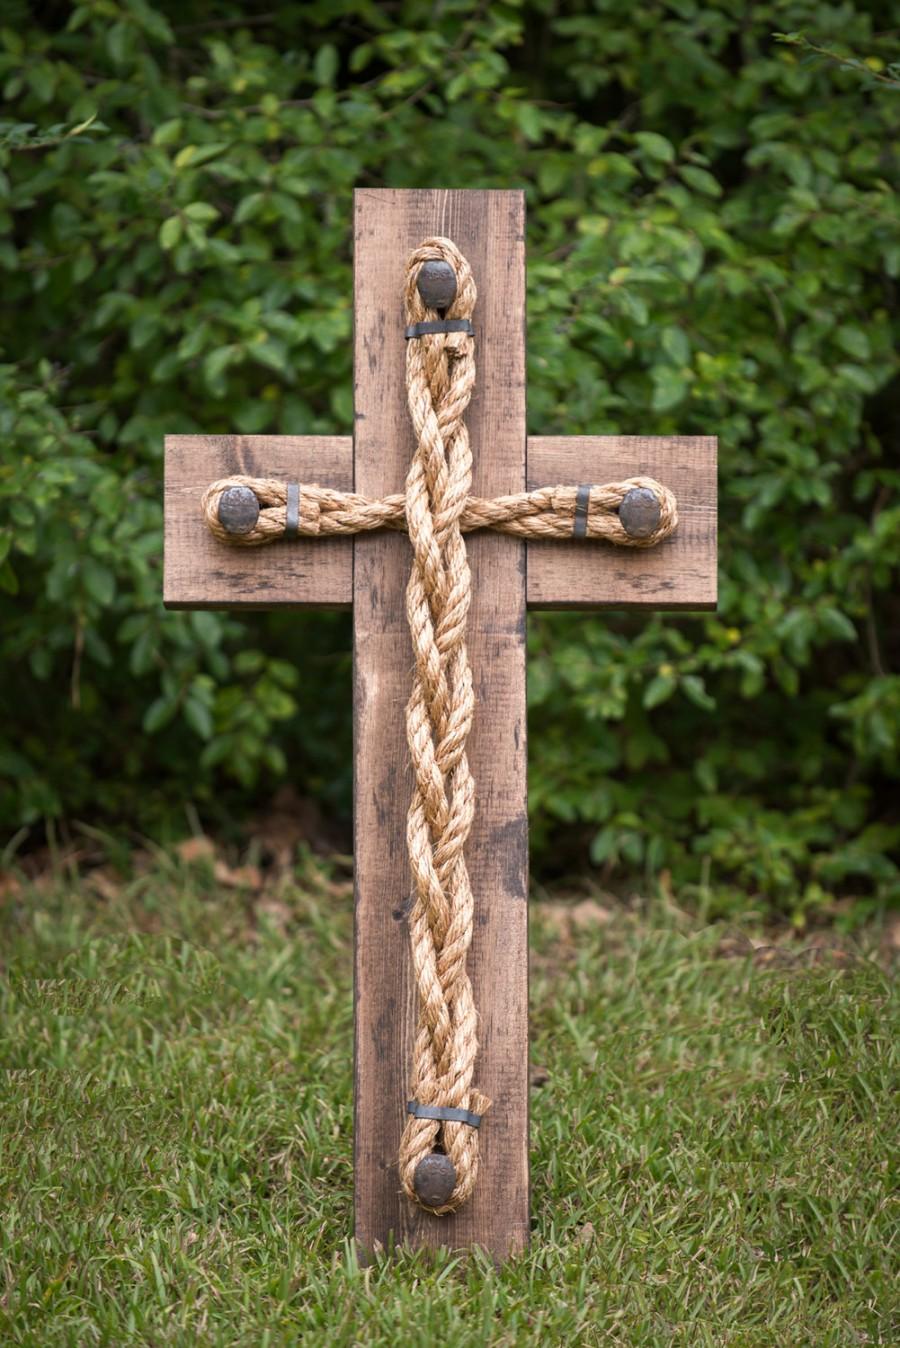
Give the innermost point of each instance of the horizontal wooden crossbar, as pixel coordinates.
(678, 574)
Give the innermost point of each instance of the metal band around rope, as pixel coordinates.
(440, 325)
(292, 510)
(582, 504)
(446, 1113)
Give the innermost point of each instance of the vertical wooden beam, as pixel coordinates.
(489, 228)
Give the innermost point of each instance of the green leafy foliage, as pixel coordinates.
(713, 248)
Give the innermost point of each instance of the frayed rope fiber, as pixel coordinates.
(436, 509)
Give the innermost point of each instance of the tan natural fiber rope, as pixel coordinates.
(440, 377)
(547, 512)
(436, 510)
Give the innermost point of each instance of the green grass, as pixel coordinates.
(711, 1147)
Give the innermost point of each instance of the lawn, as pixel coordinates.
(712, 1137)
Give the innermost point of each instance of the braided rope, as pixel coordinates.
(440, 377)
(436, 510)
(547, 512)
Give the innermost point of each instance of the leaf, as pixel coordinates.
(360, 57)
(837, 624)
(82, 126)
(99, 581)
(201, 211)
(688, 264)
(271, 353)
(701, 179)
(553, 175)
(118, 41)
(248, 207)
(854, 341)
(530, 122)
(635, 306)
(42, 80)
(158, 714)
(859, 377)
(695, 690)
(656, 146)
(669, 388)
(143, 653)
(603, 846)
(168, 132)
(198, 717)
(144, 328)
(170, 232)
(676, 345)
(456, 87)
(217, 362)
(325, 64)
(192, 156)
(658, 690)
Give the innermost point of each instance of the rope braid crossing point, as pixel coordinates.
(439, 1148)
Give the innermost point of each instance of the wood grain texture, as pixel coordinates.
(199, 572)
(679, 573)
(489, 228)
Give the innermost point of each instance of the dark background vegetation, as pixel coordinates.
(713, 248)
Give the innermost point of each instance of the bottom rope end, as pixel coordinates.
(443, 1179)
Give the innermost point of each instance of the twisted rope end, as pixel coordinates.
(441, 1185)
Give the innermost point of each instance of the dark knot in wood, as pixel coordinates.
(434, 1180)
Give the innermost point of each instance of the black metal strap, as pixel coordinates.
(292, 511)
(443, 1112)
(440, 325)
(582, 502)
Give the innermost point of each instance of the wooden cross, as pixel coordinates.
(509, 576)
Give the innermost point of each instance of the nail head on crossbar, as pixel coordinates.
(437, 284)
(238, 510)
(639, 512)
(434, 1179)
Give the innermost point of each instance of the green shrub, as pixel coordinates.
(713, 247)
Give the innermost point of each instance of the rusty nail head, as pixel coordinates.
(238, 510)
(437, 284)
(639, 512)
(434, 1179)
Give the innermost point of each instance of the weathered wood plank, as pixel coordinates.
(681, 573)
(489, 228)
(199, 572)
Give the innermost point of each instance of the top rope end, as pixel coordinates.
(439, 284)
